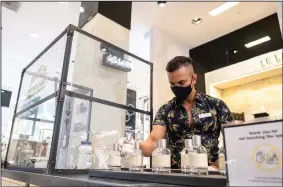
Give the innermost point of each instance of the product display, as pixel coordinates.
(221, 161)
(25, 154)
(127, 146)
(114, 161)
(85, 155)
(101, 157)
(186, 156)
(161, 158)
(136, 159)
(199, 157)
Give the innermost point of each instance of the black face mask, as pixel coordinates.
(182, 93)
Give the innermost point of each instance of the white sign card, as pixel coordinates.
(254, 154)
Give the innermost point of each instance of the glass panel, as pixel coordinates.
(104, 124)
(32, 136)
(111, 74)
(41, 79)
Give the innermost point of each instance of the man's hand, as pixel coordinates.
(149, 145)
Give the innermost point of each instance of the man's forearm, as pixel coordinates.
(147, 147)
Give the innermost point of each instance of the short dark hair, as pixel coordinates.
(178, 62)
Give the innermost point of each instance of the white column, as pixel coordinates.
(163, 48)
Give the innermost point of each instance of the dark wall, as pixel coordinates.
(118, 11)
(219, 53)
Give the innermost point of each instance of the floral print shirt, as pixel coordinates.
(174, 117)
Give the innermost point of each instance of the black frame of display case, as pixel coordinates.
(60, 95)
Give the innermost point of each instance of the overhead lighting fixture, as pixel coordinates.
(34, 35)
(16, 56)
(223, 8)
(161, 3)
(257, 42)
(82, 9)
(235, 51)
(196, 21)
(63, 3)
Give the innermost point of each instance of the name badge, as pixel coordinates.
(204, 115)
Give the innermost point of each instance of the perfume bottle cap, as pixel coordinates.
(188, 143)
(137, 145)
(128, 136)
(196, 140)
(115, 147)
(161, 143)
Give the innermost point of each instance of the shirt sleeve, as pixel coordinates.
(161, 117)
(223, 113)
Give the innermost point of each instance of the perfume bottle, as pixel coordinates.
(199, 157)
(161, 158)
(127, 150)
(221, 161)
(136, 158)
(114, 162)
(186, 157)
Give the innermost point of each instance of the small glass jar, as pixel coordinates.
(161, 158)
(136, 158)
(186, 157)
(114, 161)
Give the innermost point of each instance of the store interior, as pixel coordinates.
(238, 55)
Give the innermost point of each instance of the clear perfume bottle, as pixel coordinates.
(199, 157)
(161, 158)
(136, 159)
(221, 161)
(114, 161)
(186, 157)
(126, 150)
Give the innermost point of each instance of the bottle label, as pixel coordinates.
(127, 148)
(115, 160)
(186, 160)
(162, 161)
(135, 160)
(199, 160)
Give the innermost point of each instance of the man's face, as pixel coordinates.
(182, 77)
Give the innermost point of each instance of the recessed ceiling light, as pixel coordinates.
(257, 42)
(16, 56)
(161, 3)
(223, 8)
(235, 51)
(196, 21)
(82, 9)
(34, 35)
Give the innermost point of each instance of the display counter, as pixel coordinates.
(103, 180)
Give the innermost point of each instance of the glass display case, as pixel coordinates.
(80, 88)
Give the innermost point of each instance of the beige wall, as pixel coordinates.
(251, 97)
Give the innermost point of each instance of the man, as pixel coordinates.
(189, 113)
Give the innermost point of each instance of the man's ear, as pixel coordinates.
(195, 77)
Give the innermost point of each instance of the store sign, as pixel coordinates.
(259, 163)
(273, 60)
(116, 62)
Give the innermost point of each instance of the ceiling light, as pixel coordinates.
(82, 9)
(63, 3)
(16, 56)
(257, 42)
(223, 8)
(235, 51)
(196, 21)
(34, 35)
(161, 3)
